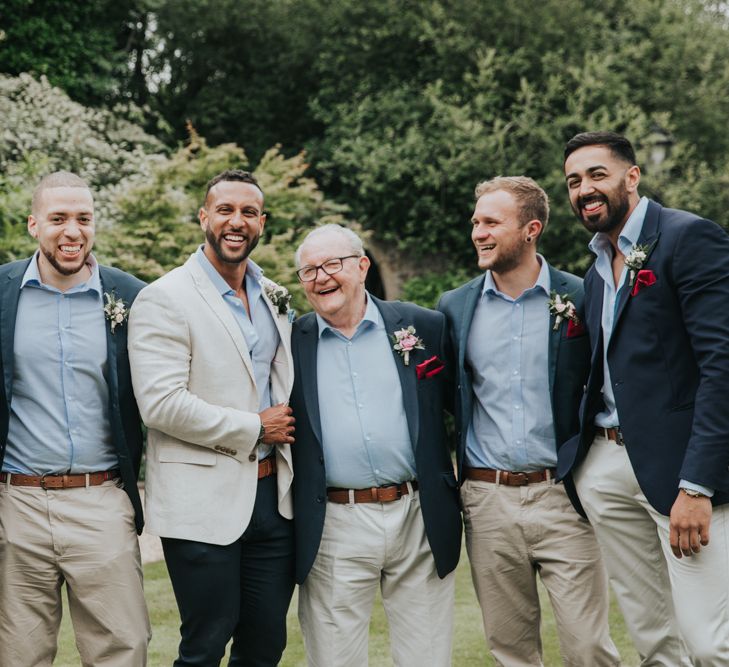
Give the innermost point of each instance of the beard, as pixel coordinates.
(65, 270)
(617, 205)
(509, 258)
(231, 258)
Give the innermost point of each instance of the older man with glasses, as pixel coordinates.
(375, 496)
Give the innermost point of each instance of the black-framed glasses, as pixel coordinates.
(330, 267)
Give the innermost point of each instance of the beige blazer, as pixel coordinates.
(194, 384)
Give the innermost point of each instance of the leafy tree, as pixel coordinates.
(83, 47)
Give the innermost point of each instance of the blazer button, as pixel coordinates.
(321, 460)
(320, 499)
(252, 457)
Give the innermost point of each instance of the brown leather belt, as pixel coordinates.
(612, 434)
(267, 467)
(60, 481)
(377, 494)
(509, 478)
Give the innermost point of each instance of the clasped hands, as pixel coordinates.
(278, 423)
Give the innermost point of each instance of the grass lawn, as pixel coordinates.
(469, 647)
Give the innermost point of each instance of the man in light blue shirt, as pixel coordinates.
(522, 358)
(375, 499)
(70, 444)
(212, 373)
(651, 459)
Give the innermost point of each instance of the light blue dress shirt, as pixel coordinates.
(601, 246)
(507, 350)
(259, 330)
(59, 412)
(364, 428)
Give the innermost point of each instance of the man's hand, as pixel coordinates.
(690, 520)
(278, 424)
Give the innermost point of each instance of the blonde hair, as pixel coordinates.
(532, 200)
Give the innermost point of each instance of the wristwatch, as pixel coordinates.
(261, 434)
(693, 494)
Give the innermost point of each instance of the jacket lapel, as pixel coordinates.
(8, 312)
(469, 308)
(213, 299)
(112, 339)
(306, 352)
(284, 335)
(408, 382)
(648, 237)
(559, 285)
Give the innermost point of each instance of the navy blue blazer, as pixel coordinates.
(424, 404)
(568, 360)
(669, 361)
(125, 422)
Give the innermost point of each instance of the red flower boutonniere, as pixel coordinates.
(644, 278)
(429, 368)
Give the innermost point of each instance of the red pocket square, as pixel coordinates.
(575, 329)
(429, 368)
(645, 278)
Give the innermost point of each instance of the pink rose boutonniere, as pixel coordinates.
(644, 278)
(405, 341)
(562, 307)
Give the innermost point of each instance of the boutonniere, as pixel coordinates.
(429, 368)
(562, 307)
(635, 259)
(279, 297)
(644, 278)
(405, 341)
(116, 311)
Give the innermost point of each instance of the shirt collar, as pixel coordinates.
(629, 235)
(32, 277)
(371, 315)
(541, 283)
(253, 271)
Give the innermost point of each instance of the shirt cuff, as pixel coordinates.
(683, 484)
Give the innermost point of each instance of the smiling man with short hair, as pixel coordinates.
(70, 444)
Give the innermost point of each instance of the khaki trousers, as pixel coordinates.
(662, 598)
(85, 537)
(513, 534)
(365, 547)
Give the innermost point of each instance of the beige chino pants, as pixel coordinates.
(84, 537)
(665, 601)
(513, 534)
(365, 547)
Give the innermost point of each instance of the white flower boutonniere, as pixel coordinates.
(562, 307)
(405, 341)
(279, 296)
(635, 259)
(116, 311)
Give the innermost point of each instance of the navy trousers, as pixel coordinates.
(240, 591)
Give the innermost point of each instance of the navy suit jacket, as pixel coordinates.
(424, 403)
(568, 360)
(125, 422)
(669, 361)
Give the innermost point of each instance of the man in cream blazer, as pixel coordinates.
(212, 372)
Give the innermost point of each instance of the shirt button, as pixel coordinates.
(516, 337)
(377, 472)
(360, 405)
(367, 438)
(354, 375)
(516, 372)
(518, 442)
(516, 407)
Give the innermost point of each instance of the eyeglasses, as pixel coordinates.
(330, 267)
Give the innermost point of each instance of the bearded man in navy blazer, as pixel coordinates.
(70, 444)
(522, 358)
(651, 461)
(375, 496)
